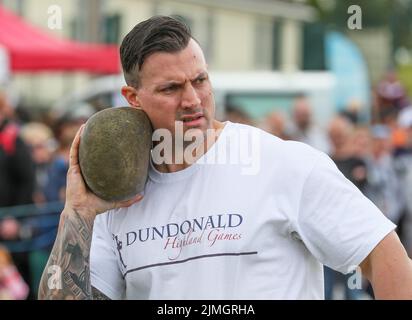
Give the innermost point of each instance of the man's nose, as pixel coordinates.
(190, 97)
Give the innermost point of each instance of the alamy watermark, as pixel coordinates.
(240, 146)
(55, 20)
(355, 20)
(354, 281)
(55, 277)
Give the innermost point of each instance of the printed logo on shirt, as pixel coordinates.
(119, 246)
(207, 231)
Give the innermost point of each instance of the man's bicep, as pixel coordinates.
(389, 248)
(336, 222)
(98, 295)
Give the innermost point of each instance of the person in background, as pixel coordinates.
(303, 129)
(39, 137)
(237, 115)
(16, 167)
(383, 187)
(361, 142)
(65, 133)
(12, 285)
(275, 124)
(403, 163)
(390, 97)
(17, 181)
(340, 133)
(353, 167)
(353, 111)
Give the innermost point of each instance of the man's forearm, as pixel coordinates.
(67, 273)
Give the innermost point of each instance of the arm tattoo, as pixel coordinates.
(70, 256)
(98, 295)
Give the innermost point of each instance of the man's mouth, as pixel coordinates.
(192, 118)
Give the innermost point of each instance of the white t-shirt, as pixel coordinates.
(229, 231)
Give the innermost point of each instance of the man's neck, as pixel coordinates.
(207, 142)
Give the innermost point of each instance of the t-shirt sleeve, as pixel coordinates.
(336, 222)
(105, 274)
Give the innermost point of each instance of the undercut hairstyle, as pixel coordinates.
(157, 34)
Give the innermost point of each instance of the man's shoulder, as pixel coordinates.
(275, 154)
(270, 141)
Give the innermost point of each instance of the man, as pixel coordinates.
(384, 188)
(303, 129)
(16, 165)
(340, 131)
(215, 231)
(17, 182)
(275, 123)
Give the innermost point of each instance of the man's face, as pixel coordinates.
(176, 87)
(302, 114)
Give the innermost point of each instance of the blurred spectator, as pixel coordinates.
(16, 166)
(55, 188)
(343, 153)
(397, 133)
(361, 142)
(405, 117)
(404, 169)
(340, 132)
(390, 97)
(12, 285)
(383, 187)
(42, 144)
(304, 130)
(275, 124)
(237, 115)
(66, 130)
(39, 138)
(390, 91)
(400, 136)
(17, 179)
(352, 112)
(399, 141)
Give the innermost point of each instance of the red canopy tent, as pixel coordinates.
(32, 50)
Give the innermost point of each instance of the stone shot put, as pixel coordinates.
(114, 153)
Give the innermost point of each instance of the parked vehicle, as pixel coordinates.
(256, 93)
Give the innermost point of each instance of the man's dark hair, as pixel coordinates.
(157, 34)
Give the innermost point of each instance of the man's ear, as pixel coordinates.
(130, 95)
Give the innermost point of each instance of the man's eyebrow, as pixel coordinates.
(200, 75)
(171, 82)
(168, 83)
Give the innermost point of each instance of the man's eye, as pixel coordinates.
(200, 80)
(169, 89)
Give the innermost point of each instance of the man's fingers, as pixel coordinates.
(74, 150)
(128, 203)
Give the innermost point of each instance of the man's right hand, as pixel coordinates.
(71, 250)
(78, 197)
